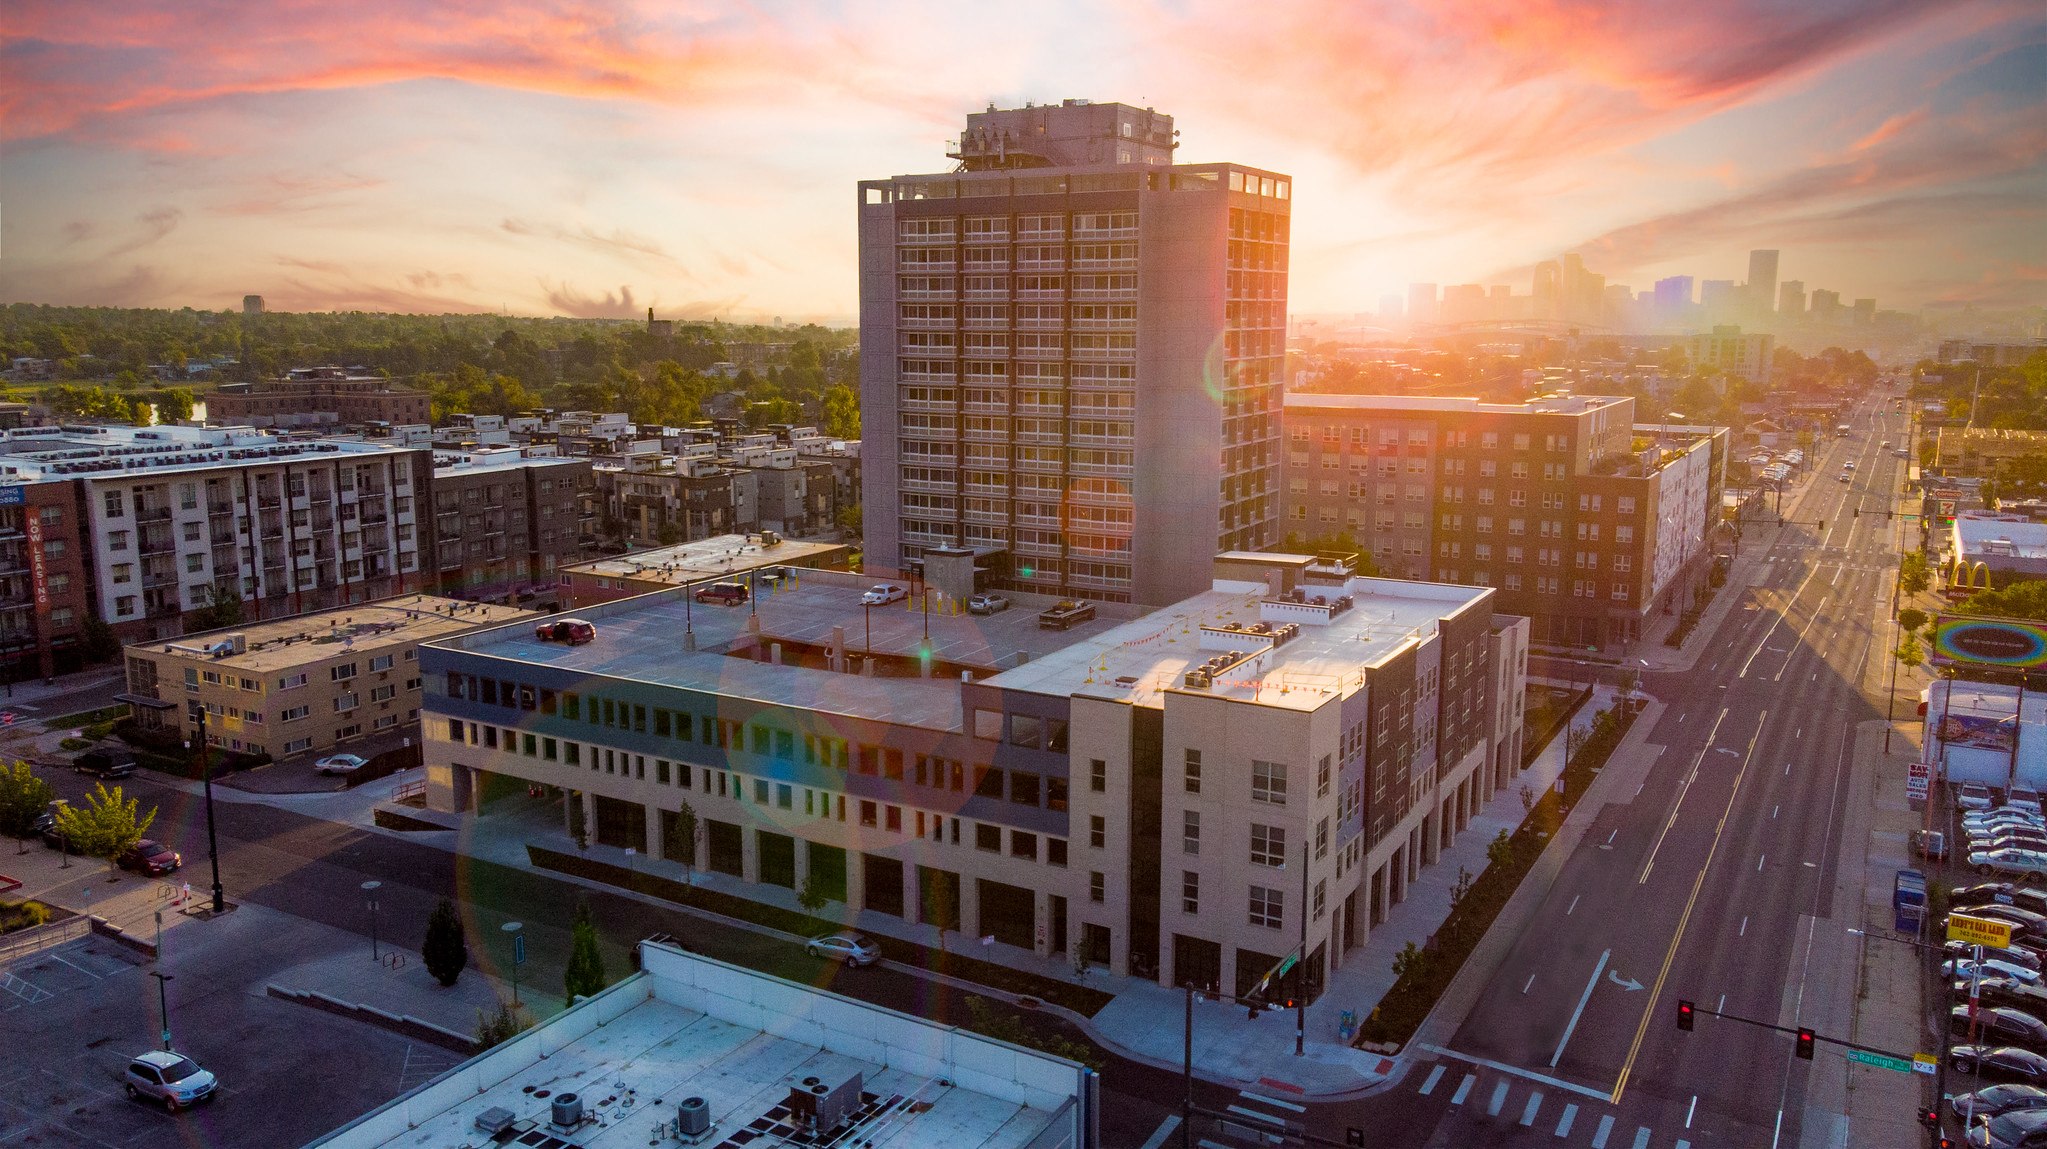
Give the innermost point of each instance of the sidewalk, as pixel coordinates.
(95, 888)
(1145, 1020)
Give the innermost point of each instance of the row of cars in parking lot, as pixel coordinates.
(2005, 1031)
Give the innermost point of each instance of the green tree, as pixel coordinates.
(101, 644)
(446, 954)
(24, 796)
(1500, 851)
(812, 896)
(941, 906)
(173, 404)
(1911, 618)
(1914, 576)
(841, 412)
(1909, 653)
(1413, 964)
(223, 608)
(584, 976)
(501, 1026)
(686, 833)
(850, 520)
(2021, 600)
(107, 825)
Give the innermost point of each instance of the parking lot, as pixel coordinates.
(72, 1017)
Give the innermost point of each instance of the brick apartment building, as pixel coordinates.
(1583, 520)
(317, 396)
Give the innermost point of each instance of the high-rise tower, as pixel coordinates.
(1071, 355)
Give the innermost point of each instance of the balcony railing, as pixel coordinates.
(152, 514)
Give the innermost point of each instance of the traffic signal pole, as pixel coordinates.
(1807, 1039)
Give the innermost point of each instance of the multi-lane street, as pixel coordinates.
(1714, 881)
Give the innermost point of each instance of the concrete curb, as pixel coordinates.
(1622, 771)
(405, 1025)
(106, 929)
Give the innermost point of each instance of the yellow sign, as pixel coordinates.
(1979, 931)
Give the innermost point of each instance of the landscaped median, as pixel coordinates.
(1424, 972)
(1080, 999)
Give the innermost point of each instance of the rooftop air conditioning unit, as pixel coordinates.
(692, 1117)
(819, 1106)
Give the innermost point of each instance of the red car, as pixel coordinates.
(151, 857)
(573, 631)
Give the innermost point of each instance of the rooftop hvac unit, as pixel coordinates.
(692, 1117)
(567, 1110)
(494, 1120)
(820, 1106)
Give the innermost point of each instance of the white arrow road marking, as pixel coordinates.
(1626, 983)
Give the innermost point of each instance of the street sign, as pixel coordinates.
(1879, 1060)
(1918, 780)
(1925, 1063)
(1979, 931)
(518, 949)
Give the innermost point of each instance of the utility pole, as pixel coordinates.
(206, 779)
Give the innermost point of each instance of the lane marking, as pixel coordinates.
(1435, 1075)
(1744, 927)
(1165, 1130)
(1691, 1110)
(1499, 1098)
(1759, 862)
(1529, 1110)
(1719, 830)
(1524, 990)
(1463, 1089)
(1517, 1071)
(1275, 1102)
(1722, 1007)
(1255, 1115)
(1570, 1115)
(1590, 984)
(1573, 905)
(1605, 1127)
(1684, 790)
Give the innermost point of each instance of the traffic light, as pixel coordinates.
(1684, 1015)
(1805, 1044)
(1930, 1118)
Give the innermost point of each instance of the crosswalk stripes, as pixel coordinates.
(1262, 1118)
(1501, 1096)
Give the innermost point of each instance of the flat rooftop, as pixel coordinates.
(641, 639)
(35, 454)
(279, 644)
(1142, 659)
(1548, 404)
(1985, 539)
(693, 1028)
(704, 558)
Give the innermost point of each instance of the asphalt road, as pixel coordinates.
(313, 870)
(1708, 883)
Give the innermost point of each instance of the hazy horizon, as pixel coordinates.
(573, 159)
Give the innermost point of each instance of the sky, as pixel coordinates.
(575, 157)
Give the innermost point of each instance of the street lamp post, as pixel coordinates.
(163, 1005)
(369, 891)
(518, 953)
(206, 779)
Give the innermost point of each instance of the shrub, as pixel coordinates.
(445, 953)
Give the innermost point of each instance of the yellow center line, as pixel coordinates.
(1656, 991)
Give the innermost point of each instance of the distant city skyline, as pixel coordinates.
(557, 158)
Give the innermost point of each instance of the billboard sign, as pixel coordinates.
(2008, 643)
(1989, 932)
(13, 496)
(1980, 733)
(38, 572)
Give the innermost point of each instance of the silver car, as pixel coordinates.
(172, 1078)
(847, 948)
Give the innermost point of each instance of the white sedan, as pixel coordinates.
(340, 764)
(1992, 967)
(883, 594)
(2032, 864)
